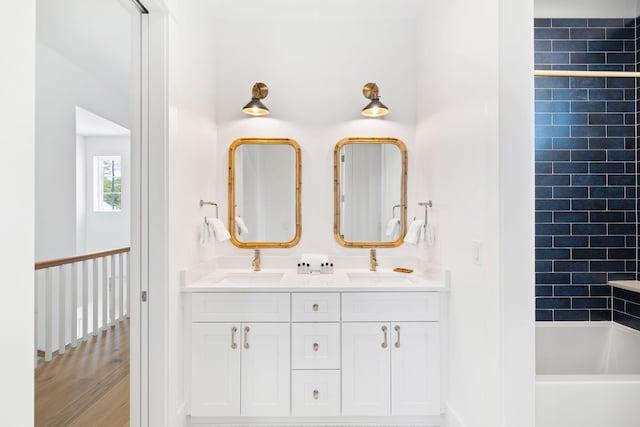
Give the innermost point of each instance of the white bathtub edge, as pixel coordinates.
(588, 324)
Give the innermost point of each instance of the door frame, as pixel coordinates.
(149, 213)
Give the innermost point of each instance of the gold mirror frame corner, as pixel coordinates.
(231, 191)
(336, 192)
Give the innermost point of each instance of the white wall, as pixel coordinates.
(192, 162)
(460, 122)
(17, 103)
(106, 230)
(317, 54)
(61, 86)
(586, 9)
(517, 278)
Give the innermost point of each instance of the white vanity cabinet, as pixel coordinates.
(315, 354)
(390, 353)
(240, 368)
(366, 357)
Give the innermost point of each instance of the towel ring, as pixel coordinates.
(393, 211)
(202, 203)
(426, 205)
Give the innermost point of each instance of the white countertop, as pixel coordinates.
(630, 285)
(342, 280)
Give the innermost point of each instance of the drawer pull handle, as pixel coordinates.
(233, 337)
(246, 337)
(397, 329)
(315, 307)
(316, 394)
(384, 342)
(315, 346)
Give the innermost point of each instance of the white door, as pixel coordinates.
(365, 369)
(215, 369)
(265, 369)
(415, 368)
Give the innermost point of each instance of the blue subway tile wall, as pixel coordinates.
(586, 198)
(626, 307)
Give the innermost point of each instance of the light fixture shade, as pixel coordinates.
(375, 109)
(255, 107)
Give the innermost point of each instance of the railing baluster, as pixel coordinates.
(128, 282)
(37, 317)
(121, 286)
(95, 297)
(66, 298)
(85, 300)
(112, 291)
(62, 310)
(105, 295)
(48, 316)
(73, 307)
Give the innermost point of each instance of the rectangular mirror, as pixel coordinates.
(370, 192)
(264, 192)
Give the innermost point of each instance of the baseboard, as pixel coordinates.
(422, 421)
(451, 417)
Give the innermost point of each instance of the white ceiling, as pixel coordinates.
(93, 34)
(90, 124)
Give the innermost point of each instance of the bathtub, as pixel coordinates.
(587, 375)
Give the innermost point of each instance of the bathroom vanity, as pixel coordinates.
(277, 348)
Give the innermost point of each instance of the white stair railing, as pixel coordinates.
(60, 319)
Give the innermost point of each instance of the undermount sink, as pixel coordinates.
(376, 277)
(252, 277)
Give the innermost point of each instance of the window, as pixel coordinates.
(108, 183)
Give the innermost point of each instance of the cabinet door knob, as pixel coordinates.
(316, 394)
(397, 329)
(315, 307)
(233, 337)
(384, 342)
(246, 337)
(315, 346)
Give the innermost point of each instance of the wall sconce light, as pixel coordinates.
(255, 107)
(375, 108)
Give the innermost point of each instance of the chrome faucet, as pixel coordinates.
(373, 261)
(256, 260)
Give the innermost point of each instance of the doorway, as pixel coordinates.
(90, 331)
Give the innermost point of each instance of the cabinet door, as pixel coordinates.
(265, 369)
(365, 369)
(215, 369)
(415, 368)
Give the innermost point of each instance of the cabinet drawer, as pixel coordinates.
(315, 307)
(240, 307)
(315, 346)
(315, 393)
(390, 306)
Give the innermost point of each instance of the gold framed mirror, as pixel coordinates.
(370, 192)
(265, 185)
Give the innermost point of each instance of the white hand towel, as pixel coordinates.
(422, 236)
(413, 235)
(242, 228)
(314, 260)
(204, 233)
(219, 230)
(392, 227)
(430, 237)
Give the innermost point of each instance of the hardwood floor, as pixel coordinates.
(88, 385)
